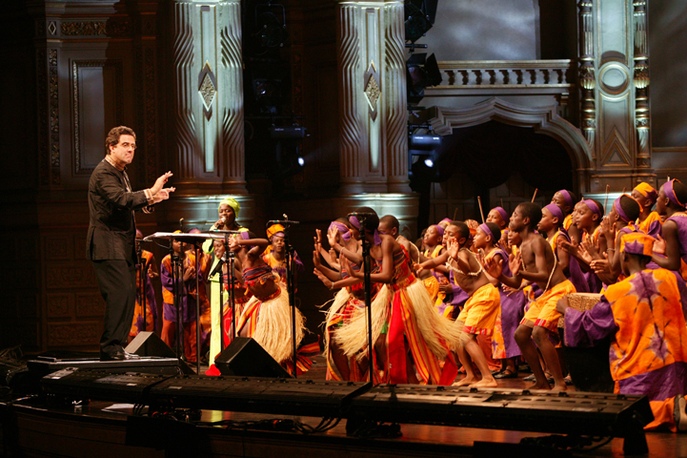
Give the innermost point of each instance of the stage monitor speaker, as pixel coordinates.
(147, 343)
(245, 357)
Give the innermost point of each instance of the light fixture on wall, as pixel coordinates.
(419, 18)
(421, 72)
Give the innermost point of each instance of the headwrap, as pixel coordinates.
(567, 197)
(343, 230)
(647, 191)
(555, 211)
(356, 223)
(503, 213)
(619, 209)
(637, 243)
(444, 222)
(593, 206)
(439, 229)
(274, 230)
(233, 203)
(487, 230)
(669, 191)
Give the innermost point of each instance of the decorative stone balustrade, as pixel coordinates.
(548, 75)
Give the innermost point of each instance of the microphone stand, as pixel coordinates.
(232, 298)
(367, 286)
(142, 290)
(228, 255)
(220, 269)
(290, 287)
(177, 263)
(197, 265)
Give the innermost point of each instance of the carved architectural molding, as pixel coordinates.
(543, 120)
(587, 74)
(641, 84)
(208, 89)
(505, 74)
(373, 129)
(351, 128)
(80, 117)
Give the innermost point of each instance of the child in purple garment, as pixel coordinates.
(620, 220)
(504, 346)
(587, 217)
(671, 251)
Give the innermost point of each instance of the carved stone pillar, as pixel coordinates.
(208, 96)
(587, 75)
(209, 150)
(641, 82)
(373, 135)
(618, 56)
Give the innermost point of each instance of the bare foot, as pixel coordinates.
(540, 386)
(465, 381)
(485, 383)
(559, 387)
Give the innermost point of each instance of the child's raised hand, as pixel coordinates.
(494, 266)
(515, 263)
(452, 247)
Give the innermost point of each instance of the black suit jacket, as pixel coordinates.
(111, 205)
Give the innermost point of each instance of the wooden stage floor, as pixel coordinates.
(32, 427)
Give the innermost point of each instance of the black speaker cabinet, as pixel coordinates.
(147, 343)
(245, 357)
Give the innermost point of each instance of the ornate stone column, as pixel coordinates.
(208, 91)
(373, 133)
(619, 56)
(209, 154)
(641, 82)
(587, 74)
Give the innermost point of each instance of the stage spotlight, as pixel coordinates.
(419, 16)
(421, 72)
(301, 161)
(288, 132)
(424, 141)
(268, 94)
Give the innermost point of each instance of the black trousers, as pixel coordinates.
(117, 281)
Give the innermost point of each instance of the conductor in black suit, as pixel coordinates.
(111, 237)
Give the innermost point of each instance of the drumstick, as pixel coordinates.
(534, 196)
(481, 212)
(608, 187)
(455, 214)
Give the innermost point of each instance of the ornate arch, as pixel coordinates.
(544, 120)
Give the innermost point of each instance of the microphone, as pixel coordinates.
(284, 222)
(218, 268)
(361, 214)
